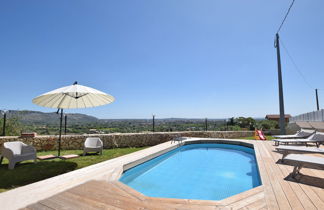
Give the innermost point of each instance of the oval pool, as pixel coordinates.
(196, 171)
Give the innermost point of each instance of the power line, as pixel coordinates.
(296, 67)
(292, 3)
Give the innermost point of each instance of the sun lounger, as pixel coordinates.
(296, 149)
(293, 141)
(302, 134)
(300, 161)
(317, 138)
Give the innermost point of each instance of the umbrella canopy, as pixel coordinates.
(73, 96)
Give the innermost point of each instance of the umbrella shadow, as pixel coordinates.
(27, 173)
(89, 154)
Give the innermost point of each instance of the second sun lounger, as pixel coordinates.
(301, 161)
(317, 138)
(302, 134)
(286, 150)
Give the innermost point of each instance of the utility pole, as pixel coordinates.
(60, 135)
(206, 124)
(4, 123)
(65, 122)
(317, 103)
(281, 98)
(153, 123)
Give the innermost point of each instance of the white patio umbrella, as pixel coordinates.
(72, 97)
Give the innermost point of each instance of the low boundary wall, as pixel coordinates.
(120, 140)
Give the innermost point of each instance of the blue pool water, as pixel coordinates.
(196, 171)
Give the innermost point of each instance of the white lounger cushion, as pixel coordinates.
(297, 149)
(300, 149)
(305, 159)
(293, 140)
(300, 134)
(286, 136)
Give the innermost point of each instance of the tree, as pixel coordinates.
(267, 124)
(13, 127)
(243, 122)
(231, 121)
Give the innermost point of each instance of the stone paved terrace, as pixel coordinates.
(96, 187)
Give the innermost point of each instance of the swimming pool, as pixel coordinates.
(196, 171)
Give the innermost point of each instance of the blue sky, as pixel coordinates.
(172, 58)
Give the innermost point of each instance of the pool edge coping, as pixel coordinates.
(195, 140)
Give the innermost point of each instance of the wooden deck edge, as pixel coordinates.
(130, 190)
(242, 195)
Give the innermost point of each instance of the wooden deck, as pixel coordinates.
(278, 191)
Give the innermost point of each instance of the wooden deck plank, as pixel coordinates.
(70, 201)
(290, 193)
(272, 171)
(247, 201)
(90, 204)
(309, 174)
(130, 191)
(51, 204)
(311, 191)
(176, 201)
(241, 196)
(38, 206)
(106, 188)
(313, 197)
(115, 199)
(256, 205)
(84, 202)
(304, 191)
(302, 197)
(314, 179)
(98, 194)
(319, 191)
(266, 182)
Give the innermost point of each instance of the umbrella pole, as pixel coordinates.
(60, 136)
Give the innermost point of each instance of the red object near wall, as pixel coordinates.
(259, 135)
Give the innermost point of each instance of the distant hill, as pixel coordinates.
(27, 117)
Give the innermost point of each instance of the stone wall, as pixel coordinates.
(121, 139)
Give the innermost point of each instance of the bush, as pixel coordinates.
(267, 124)
(13, 127)
(245, 122)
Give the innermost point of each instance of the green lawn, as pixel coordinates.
(27, 172)
(252, 138)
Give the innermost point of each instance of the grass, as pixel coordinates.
(27, 172)
(252, 137)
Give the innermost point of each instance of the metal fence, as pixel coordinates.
(316, 116)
